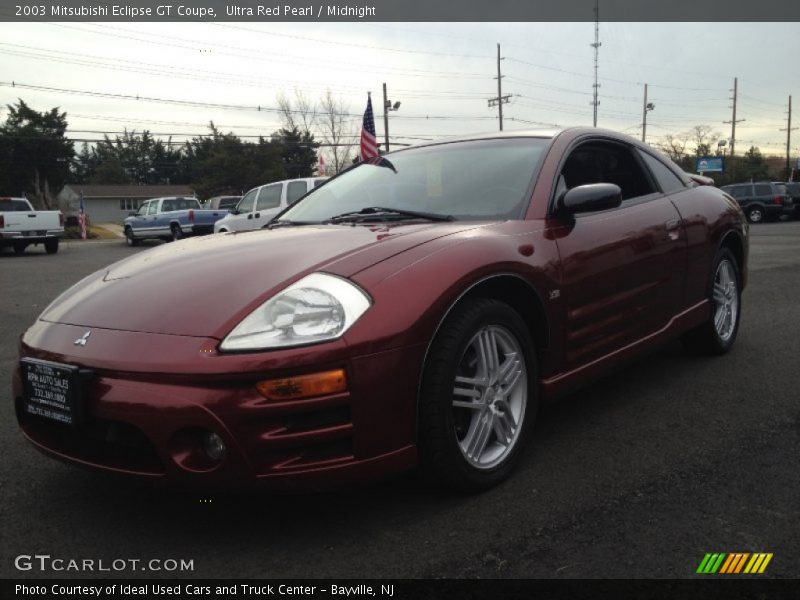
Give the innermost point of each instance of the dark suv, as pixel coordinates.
(761, 200)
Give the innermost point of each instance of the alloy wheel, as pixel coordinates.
(490, 393)
(726, 300)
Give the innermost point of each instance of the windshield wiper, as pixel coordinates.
(288, 223)
(379, 213)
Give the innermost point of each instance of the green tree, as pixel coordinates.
(144, 159)
(298, 152)
(752, 166)
(222, 163)
(110, 172)
(35, 155)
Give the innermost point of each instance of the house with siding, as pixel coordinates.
(112, 203)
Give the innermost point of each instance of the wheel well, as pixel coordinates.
(523, 298)
(733, 242)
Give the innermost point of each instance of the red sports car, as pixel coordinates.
(416, 309)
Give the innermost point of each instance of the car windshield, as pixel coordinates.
(476, 180)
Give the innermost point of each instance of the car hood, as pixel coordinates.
(204, 286)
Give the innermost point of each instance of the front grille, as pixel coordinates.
(113, 444)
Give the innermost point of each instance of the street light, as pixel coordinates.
(387, 108)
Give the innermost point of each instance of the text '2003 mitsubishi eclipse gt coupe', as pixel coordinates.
(415, 309)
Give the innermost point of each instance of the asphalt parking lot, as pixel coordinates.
(637, 476)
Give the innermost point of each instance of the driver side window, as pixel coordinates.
(605, 162)
(246, 204)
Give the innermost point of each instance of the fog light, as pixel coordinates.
(214, 446)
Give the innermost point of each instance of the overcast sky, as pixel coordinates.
(442, 73)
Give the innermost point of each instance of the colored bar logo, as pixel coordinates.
(734, 563)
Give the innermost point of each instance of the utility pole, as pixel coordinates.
(500, 100)
(387, 108)
(733, 120)
(595, 102)
(788, 131)
(646, 108)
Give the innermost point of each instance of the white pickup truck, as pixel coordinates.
(21, 226)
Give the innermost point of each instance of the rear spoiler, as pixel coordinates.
(700, 179)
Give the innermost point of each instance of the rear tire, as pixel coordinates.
(177, 233)
(19, 248)
(718, 333)
(51, 245)
(129, 237)
(478, 397)
(755, 214)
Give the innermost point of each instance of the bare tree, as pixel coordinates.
(674, 146)
(703, 136)
(337, 131)
(300, 113)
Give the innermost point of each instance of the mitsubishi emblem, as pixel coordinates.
(81, 341)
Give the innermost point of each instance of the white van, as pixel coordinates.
(259, 205)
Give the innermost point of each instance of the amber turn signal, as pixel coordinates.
(303, 386)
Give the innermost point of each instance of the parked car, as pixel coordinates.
(793, 189)
(222, 202)
(169, 218)
(761, 200)
(21, 226)
(415, 309)
(259, 205)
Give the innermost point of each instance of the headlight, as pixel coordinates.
(317, 308)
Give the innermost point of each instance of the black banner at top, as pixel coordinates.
(398, 10)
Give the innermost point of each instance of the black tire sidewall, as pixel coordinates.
(441, 451)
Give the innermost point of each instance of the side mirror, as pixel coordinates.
(590, 198)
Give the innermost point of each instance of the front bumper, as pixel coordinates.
(149, 392)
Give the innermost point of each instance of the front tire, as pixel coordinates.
(129, 237)
(718, 333)
(478, 397)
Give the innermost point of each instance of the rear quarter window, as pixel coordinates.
(763, 189)
(295, 190)
(667, 180)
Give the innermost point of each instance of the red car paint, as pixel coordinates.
(596, 290)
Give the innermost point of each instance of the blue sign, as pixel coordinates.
(710, 164)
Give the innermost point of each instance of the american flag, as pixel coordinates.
(321, 168)
(82, 219)
(369, 143)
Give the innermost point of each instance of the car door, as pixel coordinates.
(622, 269)
(139, 221)
(164, 216)
(242, 215)
(268, 204)
(296, 190)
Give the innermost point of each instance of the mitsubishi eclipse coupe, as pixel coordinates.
(416, 309)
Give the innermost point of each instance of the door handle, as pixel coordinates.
(673, 227)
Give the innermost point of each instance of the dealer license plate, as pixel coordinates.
(53, 390)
